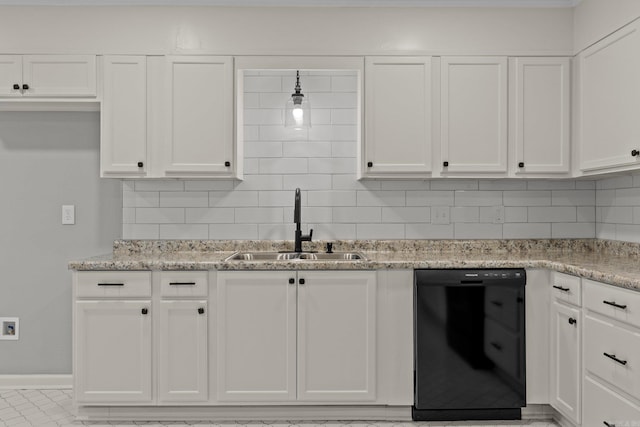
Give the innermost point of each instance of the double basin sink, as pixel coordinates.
(297, 256)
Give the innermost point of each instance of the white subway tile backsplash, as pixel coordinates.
(321, 116)
(381, 198)
(334, 100)
(503, 184)
(349, 182)
(624, 181)
(259, 215)
(277, 198)
(159, 215)
(141, 231)
(585, 185)
(128, 216)
(260, 183)
(627, 197)
(306, 149)
(251, 133)
(551, 185)
(202, 185)
(605, 197)
(261, 149)
(344, 83)
(357, 214)
(210, 215)
(230, 199)
(333, 231)
(573, 230)
(262, 84)
(529, 230)
(263, 117)
(454, 184)
(128, 185)
(165, 185)
(616, 214)
(552, 214)
(406, 215)
(310, 215)
(344, 116)
(586, 214)
(429, 198)
(477, 198)
(306, 182)
(251, 166)
(428, 231)
(274, 232)
(465, 214)
(573, 197)
(251, 100)
(628, 233)
(273, 100)
(487, 214)
(184, 231)
(380, 231)
(140, 199)
(233, 231)
(527, 198)
(286, 166)
(477, 231)
(332, 165)
(281, 133)
(606, 231)
(344, 149)
(331, 198)
(184, 199)
(404, 185)
(515, 214)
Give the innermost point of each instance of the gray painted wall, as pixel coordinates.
(46, 160)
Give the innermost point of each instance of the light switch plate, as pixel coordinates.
(68, 214)
(9, 328)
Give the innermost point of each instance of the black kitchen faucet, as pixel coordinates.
(296, 218)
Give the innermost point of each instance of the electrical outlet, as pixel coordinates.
(440, 215)
(9, 328)
(68, 214)
(498, 215)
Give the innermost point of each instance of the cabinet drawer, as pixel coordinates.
(602, 405)
(566, 288)
(113, 284)
(620, 304)
(613, 354)
(183, 284)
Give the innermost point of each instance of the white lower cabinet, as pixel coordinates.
(306, 336)
(182, 352)
(603, 407)
(113, 352)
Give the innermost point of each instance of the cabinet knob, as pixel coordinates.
(369, 164)
(16, 87)
(445, 164)
(301, 281)
(200, 310)
(292, 281)
(25, 87)
(572, 321)
(145, 311)
(521, 164)
(140, 164)
(634, 153)
(227, 164)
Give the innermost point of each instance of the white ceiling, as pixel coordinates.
(294, 3)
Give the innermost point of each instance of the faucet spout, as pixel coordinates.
(297, 214)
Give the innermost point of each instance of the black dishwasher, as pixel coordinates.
(469, 343)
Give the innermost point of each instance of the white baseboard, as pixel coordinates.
(22, 382)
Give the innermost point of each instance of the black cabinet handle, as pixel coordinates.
(572, 321)
(140, 164)
(301, 281)
(496, 346)
(292, 281)
(521, 164)
(561, 288)
(110, 284)
(25, 87)
(609, 424)
(329, 247)
(16, 87)
(369, 164)
(145, 311)
(227, 164)
(497, 303)
(182, 283)
(200, 310)
(612, 303)
(634, 153)
(613, 357)
(445, 164)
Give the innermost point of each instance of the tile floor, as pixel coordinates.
(52, 408)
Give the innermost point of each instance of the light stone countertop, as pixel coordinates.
(615, 263)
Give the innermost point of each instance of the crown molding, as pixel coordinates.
(299, 3)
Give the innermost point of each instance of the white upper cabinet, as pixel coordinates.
(199, 117)
(473, 116)
(398, 117)
(609, 102)
(123, 138)
(47, 75)
(539, 116)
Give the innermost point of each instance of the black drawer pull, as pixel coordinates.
(612, 303)
(613, 357)
(292, 280)
(110, 284)
(200, 310)
(182, 283)
(369, 164)
(16, 87)
(572, 321)
(497, 303)
(25, 87)
(521, 164)
(145, 311)
(609, 424)
(561, 288)
(497, 346)
(634, 153)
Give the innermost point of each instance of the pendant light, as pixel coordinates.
(297, 112)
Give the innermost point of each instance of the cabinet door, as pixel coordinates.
(602, 407)
(113, 352)
(256, 320)
(398, 100)
(10, 75)
(182, 352)
(336, 336)
(59, 75)
(610, 100)
(540, 120)
(474, 115)
(566, 378)
(123, 140)
(199, 116)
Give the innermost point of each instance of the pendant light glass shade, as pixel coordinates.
(297, 112)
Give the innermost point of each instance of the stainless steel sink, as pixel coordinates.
(293, 256)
